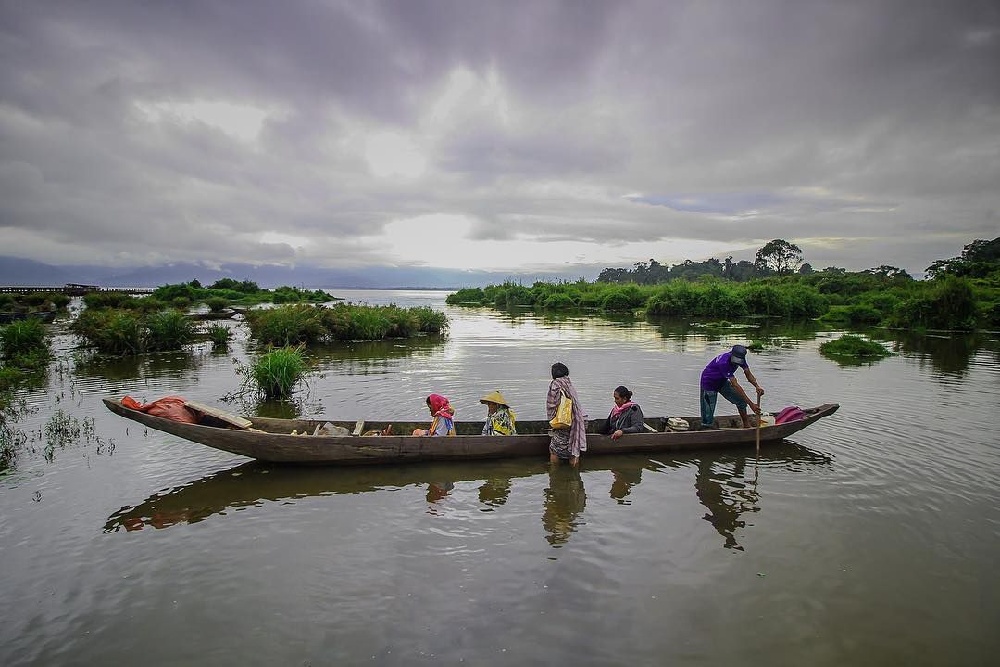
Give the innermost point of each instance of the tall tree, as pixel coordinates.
(779, 256)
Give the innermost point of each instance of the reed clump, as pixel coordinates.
(126, 332)
(167, 330)
(295, 324)
(23, 343)
(219, 335)
(274, 374)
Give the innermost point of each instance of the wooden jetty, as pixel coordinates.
(71, 289)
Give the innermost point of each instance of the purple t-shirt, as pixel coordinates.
(718, 372)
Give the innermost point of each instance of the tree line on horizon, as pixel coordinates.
(962, 293)
(781, 258)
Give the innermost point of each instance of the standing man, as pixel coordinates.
(719, 377)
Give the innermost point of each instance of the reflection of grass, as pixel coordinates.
(851, 348)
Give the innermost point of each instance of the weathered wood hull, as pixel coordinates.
(272, 440)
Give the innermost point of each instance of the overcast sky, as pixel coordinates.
(505, 135)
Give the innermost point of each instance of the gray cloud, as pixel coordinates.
(249, 131)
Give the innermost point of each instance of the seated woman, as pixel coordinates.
(444, 417)
(499, 417)
(625, 417)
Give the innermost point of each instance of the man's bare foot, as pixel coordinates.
(574, 461)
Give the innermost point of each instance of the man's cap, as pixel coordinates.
(738, 355)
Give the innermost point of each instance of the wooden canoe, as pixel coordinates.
(272, 440)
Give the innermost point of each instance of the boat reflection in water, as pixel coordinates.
(721, 484)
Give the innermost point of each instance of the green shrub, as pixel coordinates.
(403, 322)
(112, 331)
(558, 301)
(97, 300)
(21, 338)
(467, 295)
(859, 315)
(216, 303)
(430, 320)
(947, 303)
(287, 325)
(368, 324)
(167, 330)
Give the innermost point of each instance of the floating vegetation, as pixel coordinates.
(853, 348)
(63, 429)
(12, 441)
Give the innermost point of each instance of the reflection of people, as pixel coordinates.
(438, 490)
(719, 377)
(625, 417)
(724, 508)
(566, 444)
(444, 417)
(565, 499)
(494, 492)
(623, 481)
(499, 417)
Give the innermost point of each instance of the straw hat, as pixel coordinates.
(494, 397)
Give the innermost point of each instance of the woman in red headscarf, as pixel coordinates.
(444, 417)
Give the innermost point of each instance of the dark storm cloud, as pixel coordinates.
(615, 122)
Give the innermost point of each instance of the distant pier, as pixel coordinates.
(71, 289)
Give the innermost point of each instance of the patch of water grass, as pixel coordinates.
(853, 348)
(21, 338)
(219, 335)
(270, 376)
(111, 330)
(62, 430)
(277, 372)
(167, 330)
(296, 324)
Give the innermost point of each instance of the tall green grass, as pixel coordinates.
(167, 330)
(125, 332)
(276, 373)
(295, 324)
(22, 339)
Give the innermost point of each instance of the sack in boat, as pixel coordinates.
(564, 413)
(168, 407)
(678, 424)
(789, 414)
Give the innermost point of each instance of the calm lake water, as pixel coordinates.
(870, 540)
